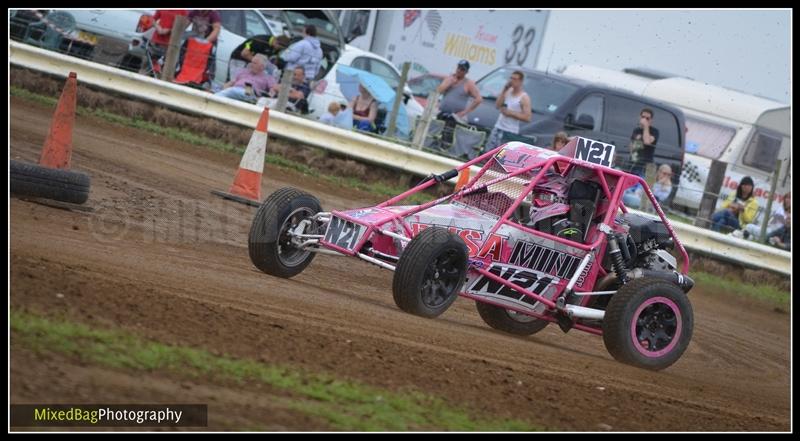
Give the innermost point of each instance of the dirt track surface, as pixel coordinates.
(162, 258)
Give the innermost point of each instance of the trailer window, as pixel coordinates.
(762, 152)
(706, 138)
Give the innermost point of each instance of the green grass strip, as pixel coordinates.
(343, 404)
(765, 293)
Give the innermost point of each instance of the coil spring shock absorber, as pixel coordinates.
(616, 259)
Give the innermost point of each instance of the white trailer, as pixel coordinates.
(435, 40)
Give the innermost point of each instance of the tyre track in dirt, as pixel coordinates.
(200, 289)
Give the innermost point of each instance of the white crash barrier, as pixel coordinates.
(349, 143)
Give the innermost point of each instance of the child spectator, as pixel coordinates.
(333, 109)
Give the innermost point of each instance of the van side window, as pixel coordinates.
(668, 127)
(623, 116)
(706, 138)
(762, 152)
(590, 107)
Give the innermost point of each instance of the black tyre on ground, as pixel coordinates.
(509, 321)
(42, 182)
(430, 272)
(269, 243)
(648, 323)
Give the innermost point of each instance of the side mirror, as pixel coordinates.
(406, 97)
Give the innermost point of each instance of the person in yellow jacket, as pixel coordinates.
(738, 209)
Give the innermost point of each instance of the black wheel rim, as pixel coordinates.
(442, 278)
(289, 254)
(656, 327)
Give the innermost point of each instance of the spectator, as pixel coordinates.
(643, 142)
(206, 24)
(299, 92)
(781, 215)
(306, 53)
(663, 185)
(365, 110)
(330, 116)
(514, 105)
(457, 89)
(249, 83)
(162, 22)
(271, 46)
(782, 237)
(560, 140)
(738, 209)
(632, 197)
(164, 19)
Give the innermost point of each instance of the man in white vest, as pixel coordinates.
(514, 105)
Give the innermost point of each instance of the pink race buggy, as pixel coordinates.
(535, 237)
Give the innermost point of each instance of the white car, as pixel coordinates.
(327, 89)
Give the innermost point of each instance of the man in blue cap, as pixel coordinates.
(457, 90)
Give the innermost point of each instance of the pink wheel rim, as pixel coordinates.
(656, 322)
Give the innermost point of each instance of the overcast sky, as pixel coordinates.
(742, 49)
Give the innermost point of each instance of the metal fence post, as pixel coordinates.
(286, 86)
(424, 124)
(768, 210)
(716, 174)
(171, 57)
(398, 99)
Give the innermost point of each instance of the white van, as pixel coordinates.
(747, 132)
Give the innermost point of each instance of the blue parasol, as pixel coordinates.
(349, 78)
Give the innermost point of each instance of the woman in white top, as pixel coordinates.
(780, 214)
(514, 105)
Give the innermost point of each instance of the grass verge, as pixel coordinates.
(378, 189)
(344, 405)
(765, 293)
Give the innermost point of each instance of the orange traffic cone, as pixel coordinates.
(57, 149)
(463, 179)
(246, 186)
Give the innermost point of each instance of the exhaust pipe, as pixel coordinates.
(683, 281)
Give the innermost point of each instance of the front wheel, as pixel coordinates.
(648, 323)
(430, 272)
(270, 244)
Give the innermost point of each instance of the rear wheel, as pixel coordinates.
(509, 321)
(648, 323)
(430, 272)
(270, 245)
